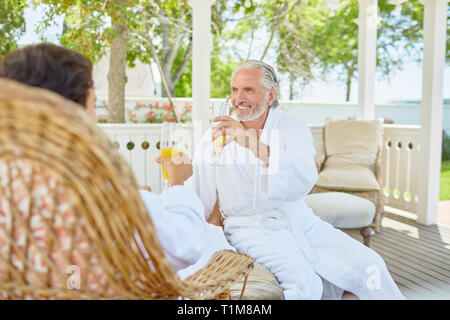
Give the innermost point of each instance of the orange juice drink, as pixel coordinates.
(167, 153)
(218, 144)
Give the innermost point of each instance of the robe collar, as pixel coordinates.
(271, 117)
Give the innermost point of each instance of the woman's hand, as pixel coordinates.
(178, 167)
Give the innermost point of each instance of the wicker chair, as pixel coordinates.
(80, 243)
(376, 196)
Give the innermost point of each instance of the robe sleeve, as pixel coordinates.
(292, 171)
(177, 215)
(203, 179)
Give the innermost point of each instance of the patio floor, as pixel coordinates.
(417, 256)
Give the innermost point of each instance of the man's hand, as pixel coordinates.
(179, 168)
(227, 126)
(235, 131)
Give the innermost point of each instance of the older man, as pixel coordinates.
(260, 180)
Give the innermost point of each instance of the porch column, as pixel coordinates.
(434, 42)
(367, 58)
(201, 62)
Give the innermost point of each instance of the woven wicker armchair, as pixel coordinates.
(357, 141)
(80, 241)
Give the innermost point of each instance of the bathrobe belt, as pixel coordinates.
(273, 220)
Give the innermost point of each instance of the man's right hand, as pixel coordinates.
(179, 168)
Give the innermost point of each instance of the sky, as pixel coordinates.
(402, 85)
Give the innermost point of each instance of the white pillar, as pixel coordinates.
(201, 61)
(434, 39)
(367, 58)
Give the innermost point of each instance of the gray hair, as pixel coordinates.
(268, 79)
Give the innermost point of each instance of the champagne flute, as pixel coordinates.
(171, 143)
(219, 109)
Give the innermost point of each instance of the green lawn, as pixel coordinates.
(445, 181)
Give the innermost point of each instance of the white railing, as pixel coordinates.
(139, 146)
(399, 162)
(313, 113)
(401, 168)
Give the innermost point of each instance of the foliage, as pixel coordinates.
(307, 38)
(445, 146)
(399, 39)
(222, 67)
(183, 87)
(445, 181)
(12, 24)
(296, 54)
(159, 31)
(87, 23)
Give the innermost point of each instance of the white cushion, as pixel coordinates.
(342, 210)
(353, 142)
(348, 177)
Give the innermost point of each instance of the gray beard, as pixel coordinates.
(255, 113)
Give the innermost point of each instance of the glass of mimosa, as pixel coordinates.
(219, 109)
(170, 144)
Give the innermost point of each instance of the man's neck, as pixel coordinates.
(258, 123)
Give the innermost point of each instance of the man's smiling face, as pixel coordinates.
(248, 95)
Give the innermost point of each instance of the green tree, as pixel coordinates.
(399, 39)
(296, 54)
(129, 30)
(162, 32)
(287, 27)
(222, 68)
(12, 24)
(222, 64)
(307, 36)
(158, 31)
(93, 27)
(335, 40)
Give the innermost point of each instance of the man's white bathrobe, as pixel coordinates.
(266, 217)
(188, 241)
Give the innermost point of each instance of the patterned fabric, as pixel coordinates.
(50, 247)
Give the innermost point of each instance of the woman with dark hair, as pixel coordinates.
(178, 213)
(58, 69)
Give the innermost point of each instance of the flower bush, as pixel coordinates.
(152, 113)
(101, 119)
(157, 113)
